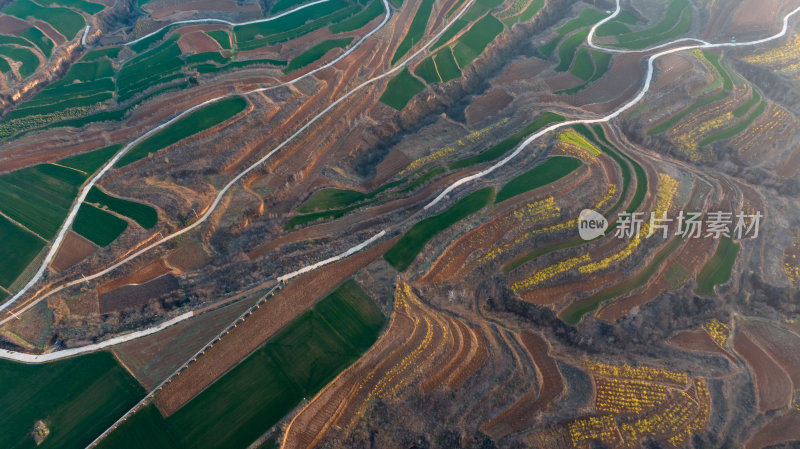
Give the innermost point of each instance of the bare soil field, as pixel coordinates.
(13, 25)
(487, 105)
(136, 295)
(780, 343)
(188, 256)
(696, 340)
(781, 429)
(142, 275)
(773, 385)
(73, 250)
(151, 359)
(523, 413)
(171, 10)
(197, 42)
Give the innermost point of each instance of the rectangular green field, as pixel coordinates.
(19, 248)
(553, 169)
(189, 125)
(97, 225)
(77, 398)
(426, 70)
(472, 43)
(90, 8)
(144, 215)
(39, 197)
(294, 364)
(90, 162)
(406, 249)
(446, 63)
(400, 90)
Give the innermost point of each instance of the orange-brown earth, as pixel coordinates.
(773, 385)
(73, 250)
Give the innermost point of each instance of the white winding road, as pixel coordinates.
(602, 119)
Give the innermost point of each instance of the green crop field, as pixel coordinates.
(507, 144)
(39, 39)
(583, 66)
(97, 225)
(19, 248)
(78, 398)
(619, 25)
(326, 199)
(586, 18)
(316, 52)
(189, 125)
(149, 69)
(422, 179)
(65, 21)
(293, 23)
(144, 215)
(406, 249)
(415, 31)
(427, 71)
(745, 108)
(283, 5)
(553, 169)
(222, 37)
(472, 43)
(294, 364)
(566, 52)
(718, 269)
(373, 10)
(446, 63)
(602, 61)
(39, 197)
(4, 66)
(451, 31)
(676, 23)
(29, 60)
(5, 39)
(400, 90)
(572, 138)
(90, 162)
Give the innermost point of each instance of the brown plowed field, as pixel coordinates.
(144, 274)
(696, 340)
(487, 105)
(12, 25)
(781, 429)
(197, 42)
(522, 414)
(299, 295)
(189, 255)
(782, 344)
(136, 295)
(73, 250)
(773, 385)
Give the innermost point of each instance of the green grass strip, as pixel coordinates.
(144, 215)
(566, 52)
(316, 52)
(718, 269)
(411, 243)
(401, 89)
(373, 10)
(672, 121)
(191, 124)
(551, 170)
(415, 30)
(573, 313)
(736, 129)
(745, 108)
